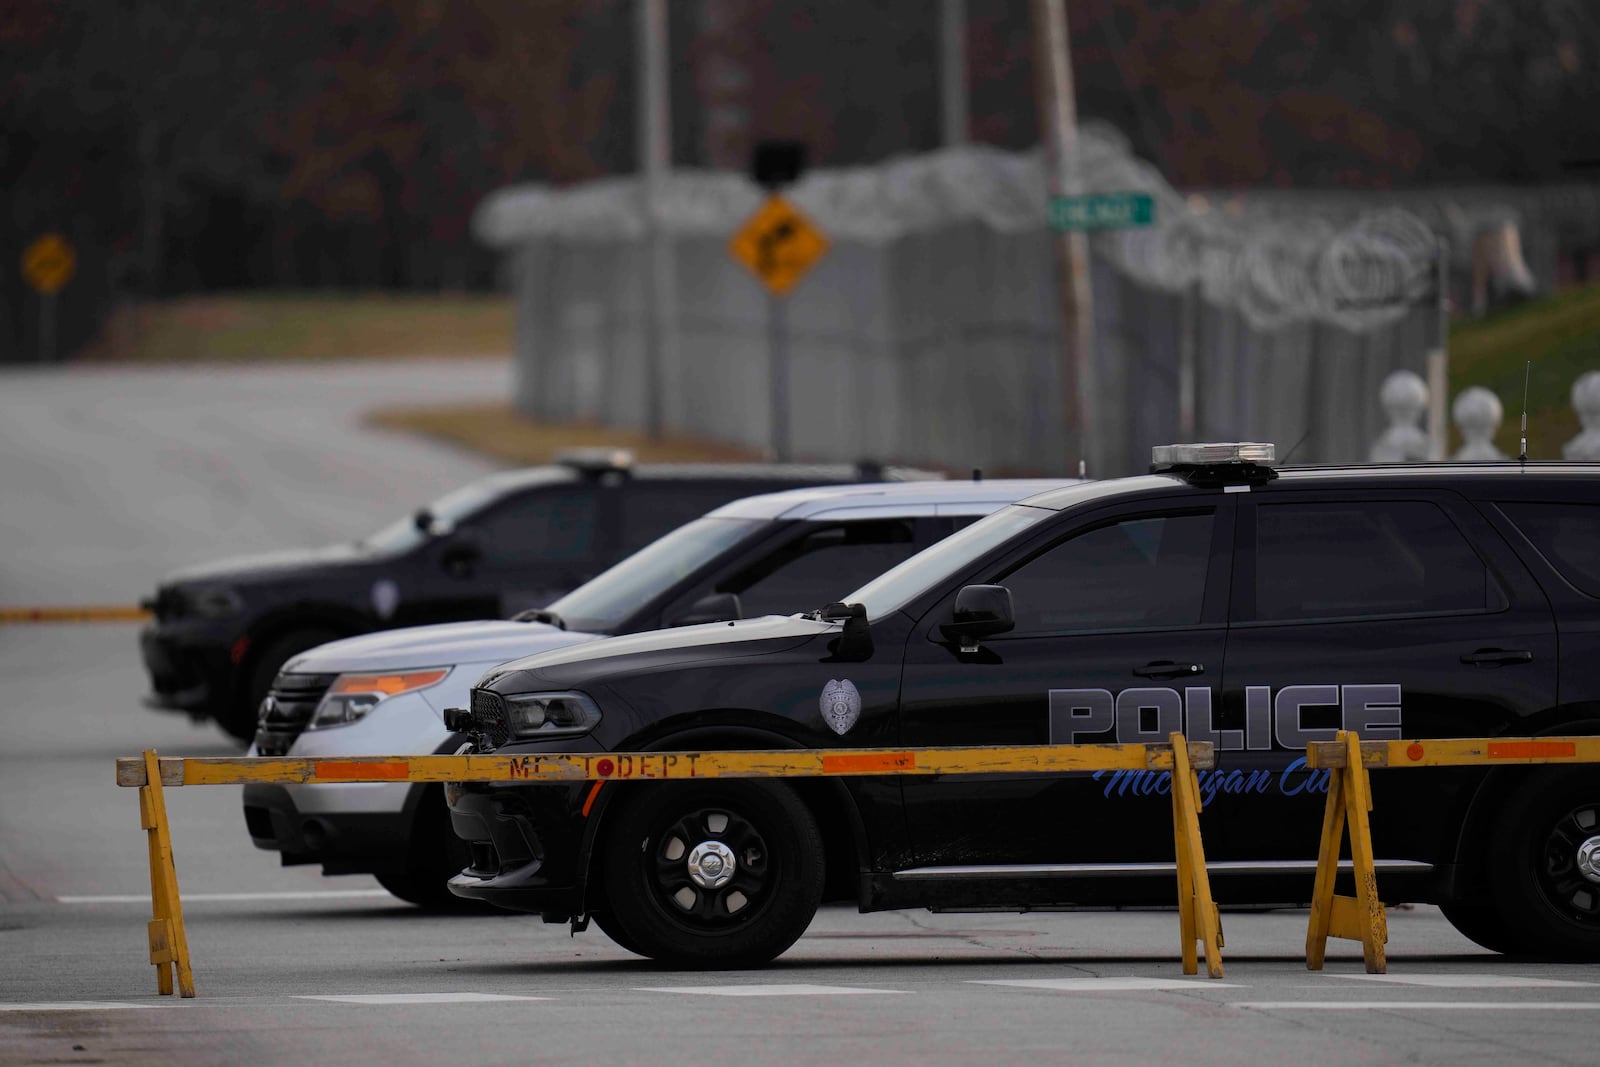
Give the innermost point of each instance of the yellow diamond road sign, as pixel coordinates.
(779, 245)
(48, 263)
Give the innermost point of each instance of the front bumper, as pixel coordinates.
(344, 842)
(526, 846)
(189, 669)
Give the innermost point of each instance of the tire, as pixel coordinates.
(1550, 903)
(239, 719)
(609, 927)
(1481, 923)
(754, 915)
(434, 856)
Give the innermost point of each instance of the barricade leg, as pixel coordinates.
(169, 942)
(1359, 918)
(1371, 923)
(1198, 918)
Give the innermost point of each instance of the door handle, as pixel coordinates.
(1166, 668)
(1495, 657)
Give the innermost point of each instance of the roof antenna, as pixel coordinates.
(1284, 462)
(977, 474)
(1526, 374)
(1083, 468)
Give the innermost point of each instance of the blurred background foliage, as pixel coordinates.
(186, 146)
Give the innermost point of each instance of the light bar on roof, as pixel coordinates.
(1212, 452)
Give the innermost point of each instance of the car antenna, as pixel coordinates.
(1526, 374)
(1285, 460)
(977, 474)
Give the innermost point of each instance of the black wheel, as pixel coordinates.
(1482, 923)
(717, 875)
(1545, 863)
(240, 719)
(609, 927)
(434, 856)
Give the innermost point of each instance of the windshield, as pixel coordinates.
(895, 588)
(601, 605)
(402, 535)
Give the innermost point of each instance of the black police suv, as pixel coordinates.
(1256, 608)
(497, 546)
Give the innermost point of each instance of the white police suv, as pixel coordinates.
(385, 693)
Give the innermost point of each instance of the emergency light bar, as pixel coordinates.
(596, 460)
(1217, 462)
(1213, 452)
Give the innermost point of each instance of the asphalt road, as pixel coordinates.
(108, 478)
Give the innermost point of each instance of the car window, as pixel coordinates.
(821, 566)
(651, 509)
(604, 603)
(454, 507)
(894, 588)
(1136, 573)
(1329, 560)
(554, 525)
(1567, 535)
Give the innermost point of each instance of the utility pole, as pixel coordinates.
(655, 161)
(1058, 121)
(953, 71)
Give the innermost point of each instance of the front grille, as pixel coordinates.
(493, 727)
(289, 706)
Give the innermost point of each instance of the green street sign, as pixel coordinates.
(1102, 211)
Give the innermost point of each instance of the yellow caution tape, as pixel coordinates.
(84, 613)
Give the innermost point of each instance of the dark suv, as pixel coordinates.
(1255, 608)
(508, 542)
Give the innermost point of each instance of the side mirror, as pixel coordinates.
(460, 557)
(714, 607)
(981, 611)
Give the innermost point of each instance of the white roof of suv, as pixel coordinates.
(889, 499)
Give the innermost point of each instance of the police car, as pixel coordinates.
(510, 541)
(1253, 607)
(384, 693)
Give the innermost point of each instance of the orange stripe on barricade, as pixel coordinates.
(876, 761)
(1531, 749)
(359, 770)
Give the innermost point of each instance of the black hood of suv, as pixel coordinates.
(270, 565)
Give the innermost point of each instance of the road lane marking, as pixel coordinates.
(1409, 1005)
(1104, 985)
(1464, 981)
(419, 998)
(220, 898)
(73, 1005)
(766, 990)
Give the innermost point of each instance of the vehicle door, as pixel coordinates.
(1120, 622)
(1394, 614)
(524, 551)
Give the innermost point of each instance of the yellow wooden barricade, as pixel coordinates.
(1198, 918)
(75, 613)
(1348, 760)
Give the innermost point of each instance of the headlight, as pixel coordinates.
(353, 696)
(536, 716)
(214, 602)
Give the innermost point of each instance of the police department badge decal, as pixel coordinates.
(840, 704)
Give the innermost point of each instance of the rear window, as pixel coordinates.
(1331, 560)
(1566, 535)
